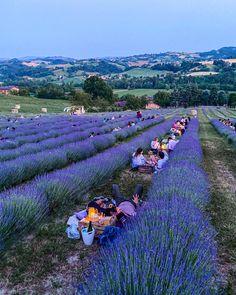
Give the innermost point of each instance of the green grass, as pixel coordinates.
(143, 72)
(220, 166)
(137, 92)
(31, 105)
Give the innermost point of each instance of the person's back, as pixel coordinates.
(138, 160)
(162, 161)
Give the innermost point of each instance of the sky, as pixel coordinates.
(102, 28)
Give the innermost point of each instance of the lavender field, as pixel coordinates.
(51, 165)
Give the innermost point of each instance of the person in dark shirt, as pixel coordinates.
(99, 204)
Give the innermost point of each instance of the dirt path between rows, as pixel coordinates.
(220, 165)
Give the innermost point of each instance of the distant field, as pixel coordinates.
(195, 74)
(31, 105)
(138, 72)
(137, 92)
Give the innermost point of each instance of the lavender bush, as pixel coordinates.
(224, 130)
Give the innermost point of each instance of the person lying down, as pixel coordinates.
(118, 205)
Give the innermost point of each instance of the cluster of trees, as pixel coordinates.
(96, 94)
(193, 96)
(225, 80)
(183, 67)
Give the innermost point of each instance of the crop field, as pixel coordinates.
(143, 72)
(182, 240)
(137, 92)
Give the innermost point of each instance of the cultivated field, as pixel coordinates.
(182, 240)
(137, 92)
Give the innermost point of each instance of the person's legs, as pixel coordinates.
(138, 190)
(116, 194)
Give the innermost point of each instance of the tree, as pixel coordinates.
(98, 88)
(221, 98)
(134, 102)
(213, 97)
(24, 92)
(51, 91)
(232, 100)
(162, 98)
(80, 98)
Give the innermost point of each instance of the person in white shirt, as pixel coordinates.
(138, 159)
(171, 144)
(162, 161)
(155, 146)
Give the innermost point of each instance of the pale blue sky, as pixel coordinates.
(98, 28)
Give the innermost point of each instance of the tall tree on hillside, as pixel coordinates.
(80, 98)
(232, 100)
(98, 88)
(162, 98)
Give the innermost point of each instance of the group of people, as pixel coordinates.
(159, 152)
(178, 128)
(228, 123)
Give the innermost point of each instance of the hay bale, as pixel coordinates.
(44, 110)
(17, 106)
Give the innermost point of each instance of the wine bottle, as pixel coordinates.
(90, 228)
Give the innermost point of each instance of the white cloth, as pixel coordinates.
(73, 220)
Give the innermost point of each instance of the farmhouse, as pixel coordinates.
(8, 89)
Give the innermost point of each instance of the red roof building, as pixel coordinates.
(152, 106)
(8, 89)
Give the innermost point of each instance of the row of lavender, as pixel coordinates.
(224, 130)
(39, 132)
(69, 134)
(44, 131)
(23, 207)
(221, 128)
(169, 248)
(26, 167)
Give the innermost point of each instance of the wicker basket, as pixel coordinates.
(99, 226)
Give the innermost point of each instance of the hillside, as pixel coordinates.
(60, 69)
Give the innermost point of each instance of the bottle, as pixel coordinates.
(90, 228)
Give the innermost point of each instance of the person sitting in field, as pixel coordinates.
(139, 115)
(155, 145)
(152, 159)
(138, 159)
(171, 143)
(162, 161)
(182, 128)
(116, 129)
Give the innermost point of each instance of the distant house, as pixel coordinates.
(121, 103)
(8, 89)
(152, 106)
